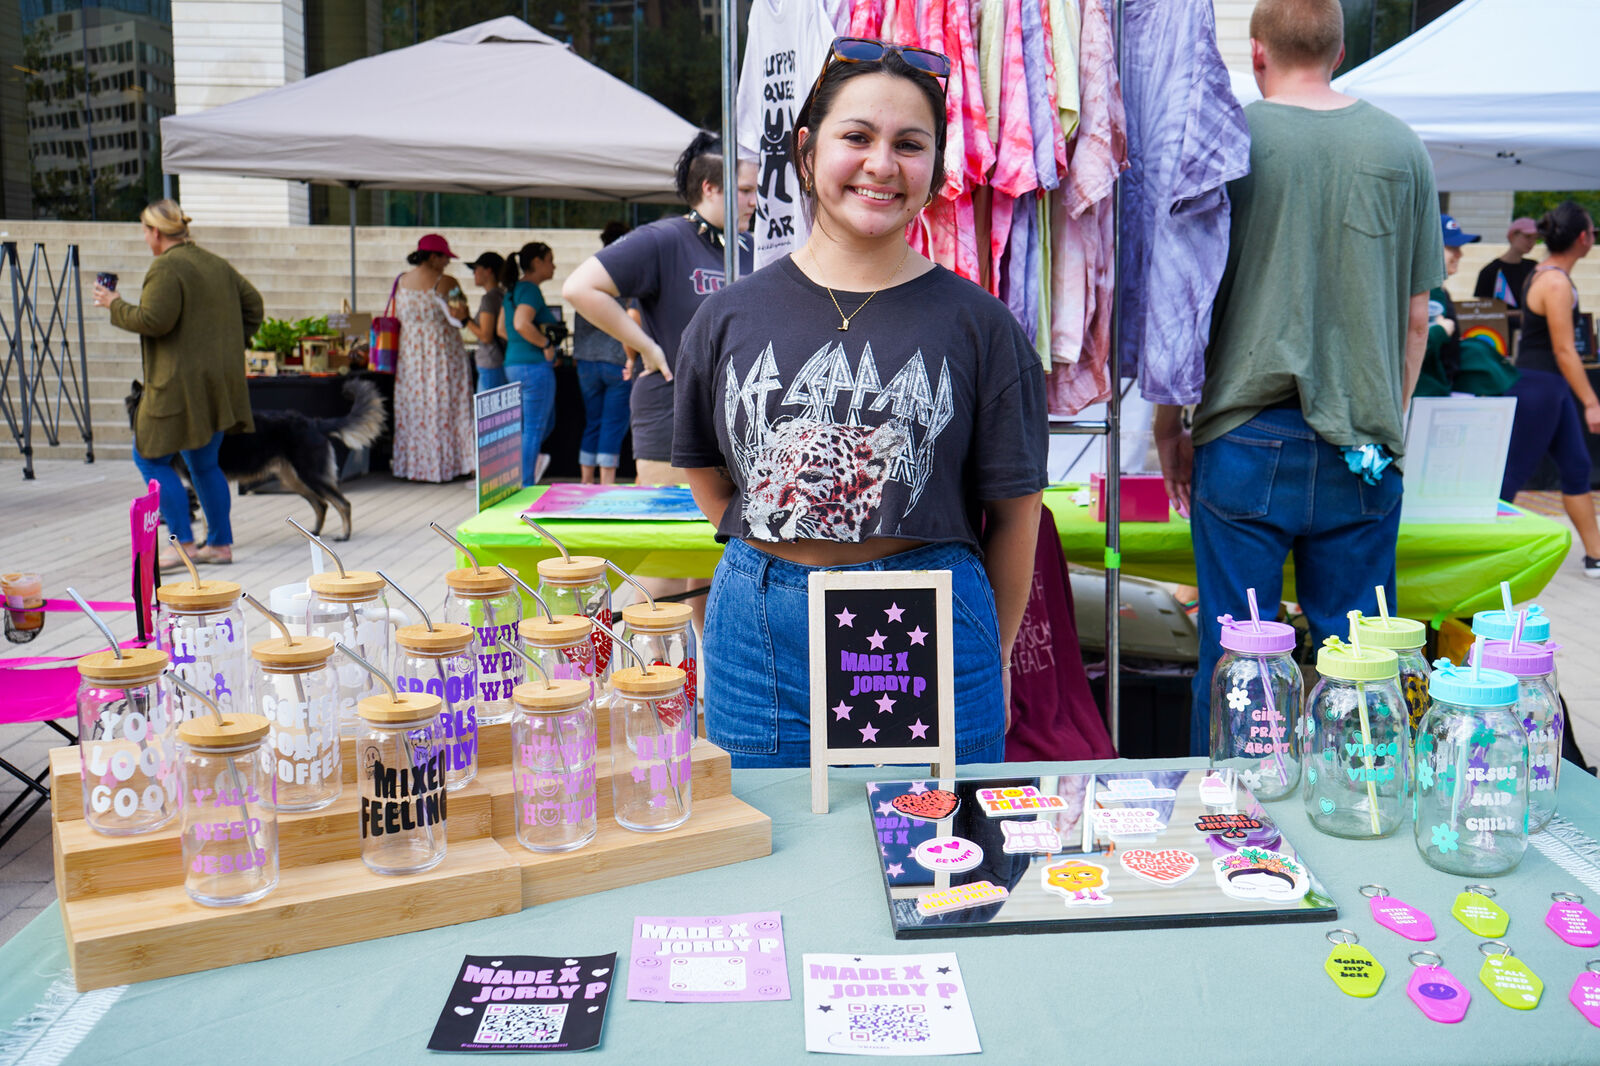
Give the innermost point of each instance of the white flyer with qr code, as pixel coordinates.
(887, 1005)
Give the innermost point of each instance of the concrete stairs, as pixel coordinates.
(300, 271)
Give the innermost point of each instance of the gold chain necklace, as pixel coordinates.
(844, 319)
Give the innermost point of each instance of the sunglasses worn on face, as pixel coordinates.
(866, 50)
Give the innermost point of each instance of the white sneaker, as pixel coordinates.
(540, 465)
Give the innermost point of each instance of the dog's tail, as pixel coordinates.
(364, 422)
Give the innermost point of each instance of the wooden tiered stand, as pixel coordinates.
(127, 917)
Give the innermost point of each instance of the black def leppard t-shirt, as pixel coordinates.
(930, 403)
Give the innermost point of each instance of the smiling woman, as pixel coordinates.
(829, 414)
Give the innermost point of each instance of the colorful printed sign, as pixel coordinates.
(526, 1003)
(498, 416)
(1017, 799)
(887, 1005)
(1025, 838)
(1166, 867)
(926, 804)
(1228, 826)
(731, 958)
(948, 855)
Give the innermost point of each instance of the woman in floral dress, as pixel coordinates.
(433, 436)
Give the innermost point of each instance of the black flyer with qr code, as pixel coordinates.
(526, 1003)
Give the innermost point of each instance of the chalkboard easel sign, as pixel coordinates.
(882, 672)
(497, 414)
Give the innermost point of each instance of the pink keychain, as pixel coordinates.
(1396, 915)
(1435, 990)
(1570, 920)
(1585, 993)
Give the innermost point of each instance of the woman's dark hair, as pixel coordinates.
(520, 262)
(819, 103)
(418, 257)
(613, 231)
(700, 163)
(1562, 227)
(493, 262)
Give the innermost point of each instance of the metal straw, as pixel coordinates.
(288, 640)
(288, 637)
(525, 587)
(655, 714)
(547, 535)
(394, 697)
(313, 538)
(172, 539)
(566, 767)
(629, 578)
(233, 769)
(532, 661)
(100, 623)
(408, 598)
(437, 528)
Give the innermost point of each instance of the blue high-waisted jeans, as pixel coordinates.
(210, 484)
(758, 657)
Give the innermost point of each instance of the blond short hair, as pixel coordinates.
(167, 219)
(1300, 33)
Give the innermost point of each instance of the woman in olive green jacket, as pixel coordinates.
(194, 316)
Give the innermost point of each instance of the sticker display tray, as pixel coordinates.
(1127, 850)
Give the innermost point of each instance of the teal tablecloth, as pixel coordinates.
(1251, 994)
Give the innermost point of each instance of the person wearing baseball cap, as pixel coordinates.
(433, 430)
(490, 356)
(1503, 278)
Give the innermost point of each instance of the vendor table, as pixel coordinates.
(1445, 571)
(1235, 993)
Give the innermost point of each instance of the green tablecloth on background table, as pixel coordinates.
(1444, 570)
(1235, 993)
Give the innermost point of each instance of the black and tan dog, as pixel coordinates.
(305, 454)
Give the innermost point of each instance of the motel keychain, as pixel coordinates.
(1435, 990)
(1574, 923)
(1509, 978)
(1398, 916)
(1475, 908)
(1585, 994)
(1351, 966)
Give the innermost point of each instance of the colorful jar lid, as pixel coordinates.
(489, 581)
(308, 652)
(351, 585)
(1500, 625)
(1471, 687)
(1256, 638)
(662, 616)
(1396, 634)
(556, 632)
(402, 709)
(660, 681)
(1529, 660)
(560, 695)
(137, 666)
(199, 595)
(445, 638)
(1340, 660)
(234, 731)
(576, 570)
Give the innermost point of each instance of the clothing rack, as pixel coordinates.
(1110, 427)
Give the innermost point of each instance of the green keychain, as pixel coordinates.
(1475, 908)
(1509, 978)
(1351, 966)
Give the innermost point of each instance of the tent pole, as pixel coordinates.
(352, 189)
(730, 142)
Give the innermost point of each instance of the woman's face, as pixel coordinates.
(1452, 261)
(713, 206)
(542, 270)
(152, 239)
(873, 158)
(483, 277)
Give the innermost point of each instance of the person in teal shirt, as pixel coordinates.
(530, 349)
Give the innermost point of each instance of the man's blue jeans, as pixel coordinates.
(1268, 490)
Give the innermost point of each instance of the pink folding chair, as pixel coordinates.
(45, 688)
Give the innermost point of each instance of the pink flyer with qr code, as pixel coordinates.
(887, 1005)
(726, 958)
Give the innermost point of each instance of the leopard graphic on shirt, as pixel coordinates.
(821, 466)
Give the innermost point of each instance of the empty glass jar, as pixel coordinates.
(294, 688)
(577, 585)
(353, 609)
(403, 798)
(1256, 691)
(200, 627)
(1472, 773)
(128, 741)
(552, 765)
(651, 736)
(438, 661)
(664, 634)
(1408, 639)
(1538, 708)
(230, 829)
(487, 602)
(1357, 764)
(564, 647)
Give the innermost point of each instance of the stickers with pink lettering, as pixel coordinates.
(1010, 800)
(1030, 838)
(1081, 884)
(887, 1005)
(1261, 874)
(1166, 867)
(948, 855)
(727, 958)
(526, 1003)
(1119, 822)
(1216, 790)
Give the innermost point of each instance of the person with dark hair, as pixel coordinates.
(433, 433)
(490, 357)
(604, 375)
(1503, 277)
(530, 350)
(1552, 385)
(856, 407)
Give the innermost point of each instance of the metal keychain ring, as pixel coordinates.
(1566, 897)
(1378, 891)
(1437, 962)
(1350, 936)
(1593, 966)
(1495, 944)
(1481, 890)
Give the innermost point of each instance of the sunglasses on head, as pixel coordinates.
(866, 50)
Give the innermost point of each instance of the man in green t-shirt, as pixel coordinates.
(1317, 338)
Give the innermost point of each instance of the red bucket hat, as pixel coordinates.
(432, 242)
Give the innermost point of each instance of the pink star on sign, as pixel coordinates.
(918, 730)
(894, 869)
(917, 636)
(894, 612)
(885, 704)
(869, 734)
(846, 618)
(843, 711)
(877, 639)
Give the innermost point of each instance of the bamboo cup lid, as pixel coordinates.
(486, 582)
(408, 707)
(660, 681)
(557, 632)
(573, 570)
(664, 616)
(189, 596)
(234, 731)
(137, 665)
(563, 693)
(445, 638)
(354, 585)
(305, 651)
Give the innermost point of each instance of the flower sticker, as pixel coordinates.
(1424, 743)
(1251, 779)
(1424, 775)
(1445, 838)
(1238, 699)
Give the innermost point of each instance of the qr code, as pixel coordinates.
(708, 975)
(888, 1023)
(522, 1023)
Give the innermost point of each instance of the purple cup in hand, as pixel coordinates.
(106, 281)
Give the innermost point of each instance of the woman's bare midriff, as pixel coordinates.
(833, 553)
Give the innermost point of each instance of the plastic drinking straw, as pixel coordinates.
(547, 535)
(394, 697)
(233, 769)
(1505, 595)
(655, 709)
(1266, 689)
(566, 767)
(1516, 633)
(525, 587)
(1366, 729)
(288, 640)
(1383, 604)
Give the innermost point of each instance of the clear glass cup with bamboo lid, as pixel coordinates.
(230, 827)
(128, 741)
(201, 627)
(662, 633)
(553, 749)
(435, 657)
(577, 584)
(293, 686)
(351, 607)
(485, 599)
(563, 646)
(652, 733)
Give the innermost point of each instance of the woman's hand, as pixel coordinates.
(655, 361)
(103, 297)
(1591, 417)
(1449, 326)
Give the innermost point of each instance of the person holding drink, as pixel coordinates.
(433, 429)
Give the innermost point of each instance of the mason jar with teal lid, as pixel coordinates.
(1472, 772)
(1502, 625)
(1408, 639)
(1358, 748)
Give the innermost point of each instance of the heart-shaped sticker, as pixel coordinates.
(495, 962)
(1166, 867)
(463, 1011)
(593, 1009)
(571, 962)
(933, 805)
(601, 972)
(1327, 806)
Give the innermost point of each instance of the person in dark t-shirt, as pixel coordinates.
(1505, 277)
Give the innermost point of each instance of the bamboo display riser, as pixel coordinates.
(127, 917)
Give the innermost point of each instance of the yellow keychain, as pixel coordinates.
(1351, 966)
(1509, 978)
(1476, 909)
